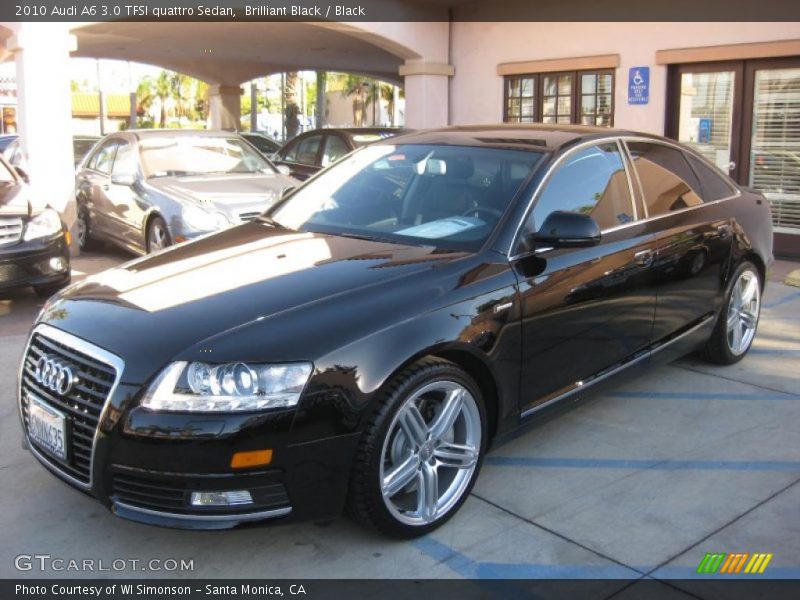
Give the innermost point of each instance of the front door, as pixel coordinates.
(743, 116)
(585, 310)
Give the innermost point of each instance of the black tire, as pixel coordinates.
(717, 349)
(156, 228)
(48, 289)
(84, 231)
(365, 500)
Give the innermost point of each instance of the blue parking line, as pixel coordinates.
(634, 463)
(781, 301)
(464, 566)
(648, 394)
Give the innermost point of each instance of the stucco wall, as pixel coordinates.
(476, 92)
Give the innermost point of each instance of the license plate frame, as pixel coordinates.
(51, 432)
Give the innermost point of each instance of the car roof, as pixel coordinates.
(146, 133)
(535, 137)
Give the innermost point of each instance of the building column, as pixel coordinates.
(225, 107)
(427, 89)
(44, 113)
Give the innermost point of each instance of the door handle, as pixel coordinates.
(644, 258)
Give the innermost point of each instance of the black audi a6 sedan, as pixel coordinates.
(363, 342)
(34, 245)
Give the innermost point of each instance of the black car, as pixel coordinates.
(34, 245)
(265, 144)
(312, 151)
(144, 190)
(365, 341)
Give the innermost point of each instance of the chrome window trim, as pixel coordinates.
(623, 152)
(623, 139)
(252, 516)
(91, 350)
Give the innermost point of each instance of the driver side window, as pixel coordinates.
(592, 181)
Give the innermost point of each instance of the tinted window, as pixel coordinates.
(290, 152)
(714, 185)
(592, 181)
(335, 148)
(668, 182)
(307, 150)
(104, 157)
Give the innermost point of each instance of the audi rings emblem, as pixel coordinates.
(53, 375)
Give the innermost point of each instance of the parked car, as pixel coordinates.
(34, 245)
(144, 190)
(265, 144)
(312, 151)
(366, 340)
(12, 151)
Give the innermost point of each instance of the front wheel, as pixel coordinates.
(422, 450)
(738, 320)
(157, 237)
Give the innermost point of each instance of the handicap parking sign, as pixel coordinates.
(639, 85)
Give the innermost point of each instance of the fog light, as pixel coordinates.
(235, 498)
(253, 458)
(57, 264)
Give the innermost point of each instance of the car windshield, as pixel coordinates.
(450, 197)
(199, 155)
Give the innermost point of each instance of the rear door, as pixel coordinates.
(585, 310)
(693, 236)
(93, 183)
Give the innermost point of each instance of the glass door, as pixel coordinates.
(773, 123)
(706, 113)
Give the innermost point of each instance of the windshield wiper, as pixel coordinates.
(270, 221)
(360, 236)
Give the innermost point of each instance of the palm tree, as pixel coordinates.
(150, 90)
(387, 95)
(291, 105)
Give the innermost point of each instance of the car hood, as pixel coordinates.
(230, 194)
(154, 308)
(14, 200)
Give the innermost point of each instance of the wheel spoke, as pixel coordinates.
(414, 425)
(459, 456)
(733, 319)
(451, 408)
(748, 320)
(749, 291)
(737, 336)
(427, 492)
(400, 476)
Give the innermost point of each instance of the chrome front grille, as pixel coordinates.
(96, 374)
(10, 230)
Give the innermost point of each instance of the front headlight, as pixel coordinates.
(229, 387)
(202, 220)
(44, 224)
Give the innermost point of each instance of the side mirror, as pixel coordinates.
(123, 179)
(284, 170)
(23, 174)
(563, 229)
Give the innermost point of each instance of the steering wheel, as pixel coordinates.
(477, 210)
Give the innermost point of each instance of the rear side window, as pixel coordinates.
(714, 184)
(668, 182)
(335, 148)
(592, 181)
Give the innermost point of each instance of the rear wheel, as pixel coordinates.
(158, 236)
(738, 320)
(421, 453)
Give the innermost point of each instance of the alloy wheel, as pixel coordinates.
(82, 230)
(158, 238)
(743, 311)
(430, 452)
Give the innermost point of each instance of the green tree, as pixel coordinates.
(149, 90)
(291, 106)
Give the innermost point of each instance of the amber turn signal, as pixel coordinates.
(253, 458)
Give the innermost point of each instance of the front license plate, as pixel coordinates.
(47, 428)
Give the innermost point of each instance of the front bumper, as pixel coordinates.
(145, 465)
(31, 263)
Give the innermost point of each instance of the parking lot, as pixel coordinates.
(639, 481)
